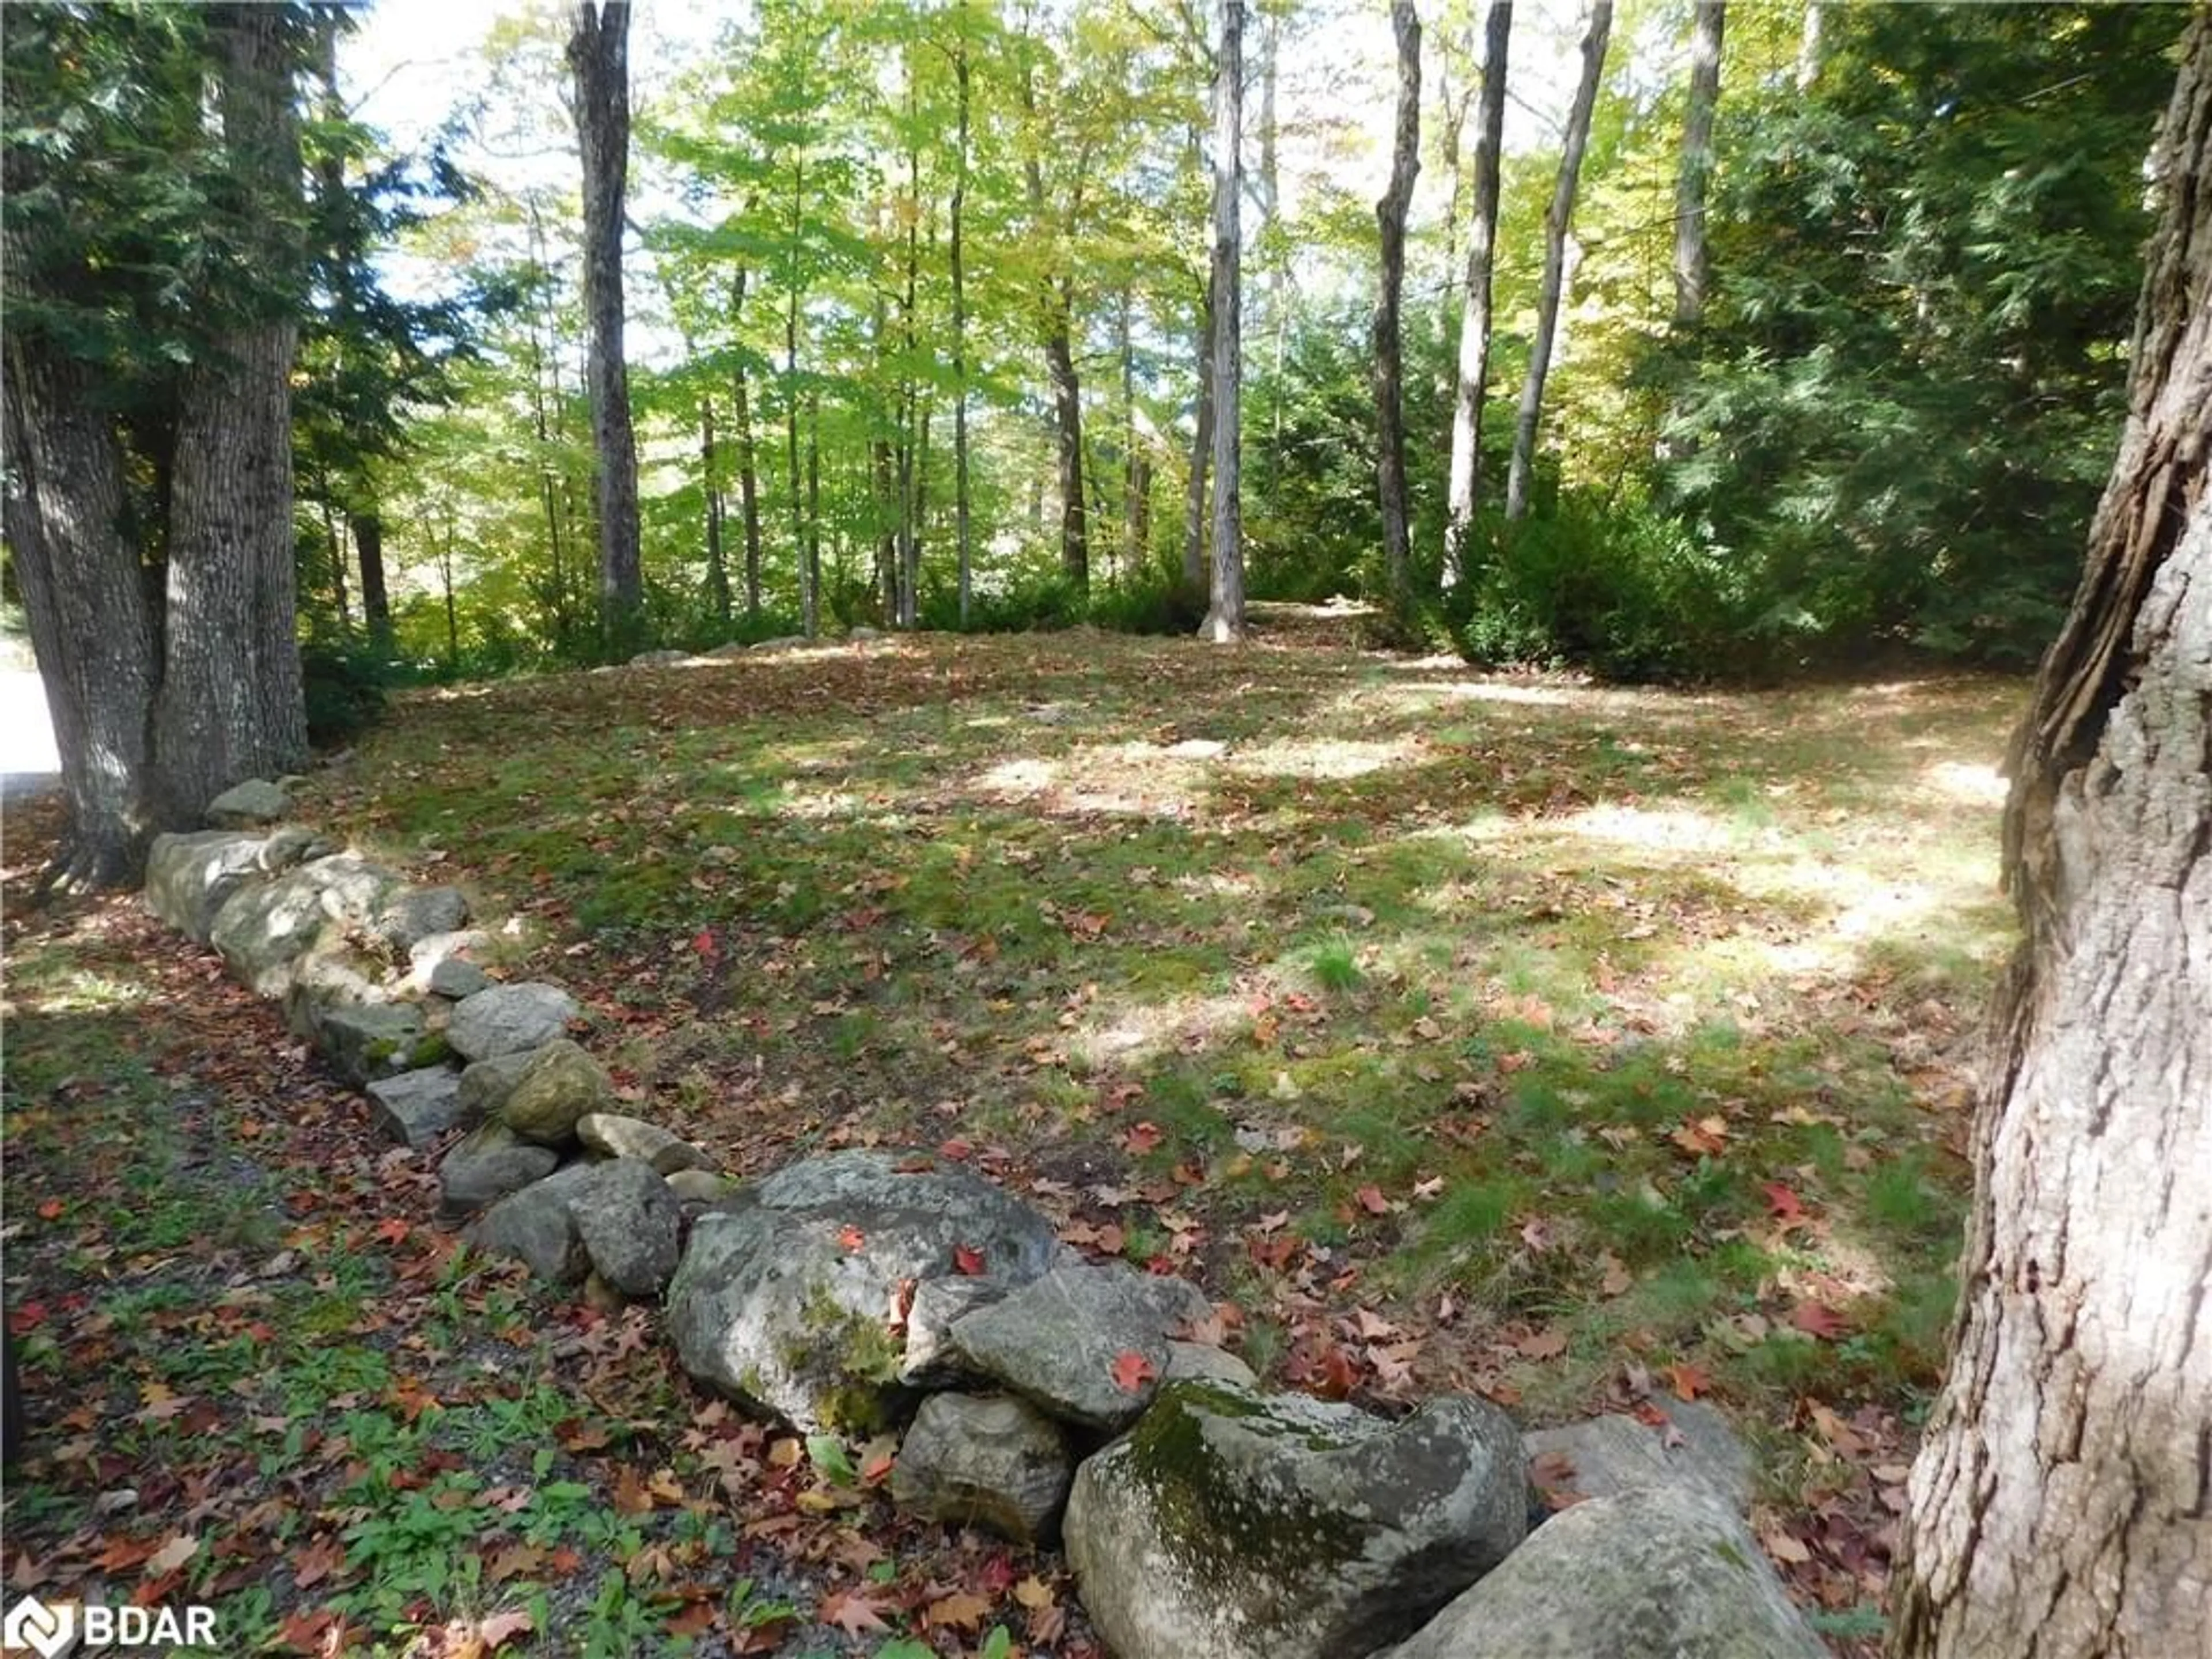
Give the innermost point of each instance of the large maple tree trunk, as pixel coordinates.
(1521, 473)
(1201, 454)
(599, 57)
(1225, 616)
(2061, 1505)
(1465, 480)
(93, 628)
(1389, 358)
(231, 704)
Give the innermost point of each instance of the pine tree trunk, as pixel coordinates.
(1056, 306)
(231, 705)
(599, 57)
(1389, 357)
(1556, 220)
(1466, 477)
(93, 629)
(2062, 1504)
(1225, 616)
(1704, 94)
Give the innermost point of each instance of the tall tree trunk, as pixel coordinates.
(599, 57)
(1202, 454)
(1466, 477)
(710, 474)
(231, 704)
(1133, 551)
(93, 628)
(1557, 219)
(1710, 22)
(904, 611)
(801, 539)
(1056, 307)
(748, 459)
(1389, 356)
(1225, 616)
(2061, 1504)
(1811, 46)
(334, 545)
(367, 526)
(453, 609)
(813, 571)
(962, 529)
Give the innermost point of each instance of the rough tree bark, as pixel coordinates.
(1556, 220)
(1389, 357)
(598, 59)
(2062, 1504)
(710, 478)
(1704, 94)
(1225, 616)
(231, 704)
(376, 603)
(1474, 321)
(93, 629)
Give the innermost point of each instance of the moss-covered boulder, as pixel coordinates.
(1665, 1572)
(560, 1084)
(798, 1295)
(376, 1040)
(1242, 1525)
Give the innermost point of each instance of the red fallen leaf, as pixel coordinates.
(321, 1632)
(1818, 1319)
(496, 1631)
(850, 1237)
(394, 1230)
(968, 1259)
(1132, 1370)
(703, 943)
(1785, 1205)
(1338, 1375)
(696, 1619)
(51, 1209)
(317, 1562)
(1143, 1137)
(1371, 1200)
(27, 1318)
(959, 1150)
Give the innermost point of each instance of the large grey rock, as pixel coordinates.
(416, 1107)
(486, 1084)
(791, 1294)
(508, 1018)
(376, 1040)
(933, 1361)
(1246, 1525)
(612, 1135)
(1057, 1340)
(661, 659)
(331, 973)
(560, 1084)
(415, 913)
(456, 977)
(263, 930)
(247, 805)
(987, 1461)
(1603, 1456)
(485, 1166)
(188, 877)
(537, 1225)
(628, 1221)
(424, 956)
(1658, 1573)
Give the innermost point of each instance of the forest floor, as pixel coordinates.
(1583, 1046)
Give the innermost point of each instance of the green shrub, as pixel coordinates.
(345, 685)
(1155, 601)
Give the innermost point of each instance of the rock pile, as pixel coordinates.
(1043, 1396)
